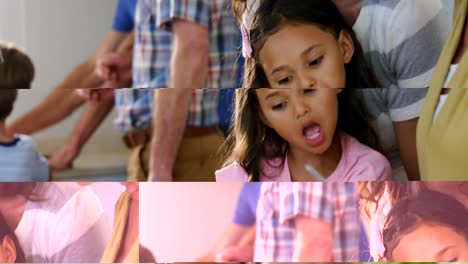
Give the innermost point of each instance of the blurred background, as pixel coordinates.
(59, 35)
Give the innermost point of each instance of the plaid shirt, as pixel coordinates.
(151, 61)
(218, 18)
(151, 57)
(280, 203)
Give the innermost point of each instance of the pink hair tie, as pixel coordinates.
(247, 50)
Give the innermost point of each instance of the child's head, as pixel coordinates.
(17, 69)
(10, 250)
(304, 44)
(428, 227)
(270, 122)
(7, 100)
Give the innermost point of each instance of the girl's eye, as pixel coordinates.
(285, 80)
(316, 62)
(278, 106)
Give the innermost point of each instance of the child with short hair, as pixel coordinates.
(20, 161)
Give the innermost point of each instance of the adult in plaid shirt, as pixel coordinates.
(307, 222)
(185, 131)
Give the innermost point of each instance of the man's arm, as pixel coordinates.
(63, 101)
(406, 137)
(314, 240)
(189, 69)
(92, 117)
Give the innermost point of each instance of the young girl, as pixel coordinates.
(415, 231)
(10, 250)
(378, 198)
(303, 45)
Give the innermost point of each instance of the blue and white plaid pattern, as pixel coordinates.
(280, 203)
(133, 109)
(151, 57)
(152, 53)
(216, 16)
(152, 49)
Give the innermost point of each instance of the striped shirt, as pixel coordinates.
(20, 161)
(66, 224)
(403, 39)
(281, 203)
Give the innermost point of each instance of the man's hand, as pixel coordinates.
(96, 95)
(115, 69)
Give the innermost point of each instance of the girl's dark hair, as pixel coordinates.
(251, 142)
(428, 207)
(6, 231)
(275, 14)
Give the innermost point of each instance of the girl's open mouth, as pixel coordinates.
(313, 134)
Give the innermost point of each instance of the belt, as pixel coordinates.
(137, 138)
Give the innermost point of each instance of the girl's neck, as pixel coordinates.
(4, 136)
(325, 163)
(349, 9)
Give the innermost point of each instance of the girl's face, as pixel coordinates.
(431, 243)
(305, 56)
(7, 250)
(305, 118)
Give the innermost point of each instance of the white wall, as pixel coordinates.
(58, 35)
(182, 221)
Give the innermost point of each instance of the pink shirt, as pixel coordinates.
(358, 163)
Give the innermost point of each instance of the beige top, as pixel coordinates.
(122, 209)
(443, 142)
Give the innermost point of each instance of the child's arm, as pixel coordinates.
(314, 240)
(90, 120)
(63, 101)
(56, 107)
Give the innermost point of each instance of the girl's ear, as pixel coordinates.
(9, 248)
(345, 41)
